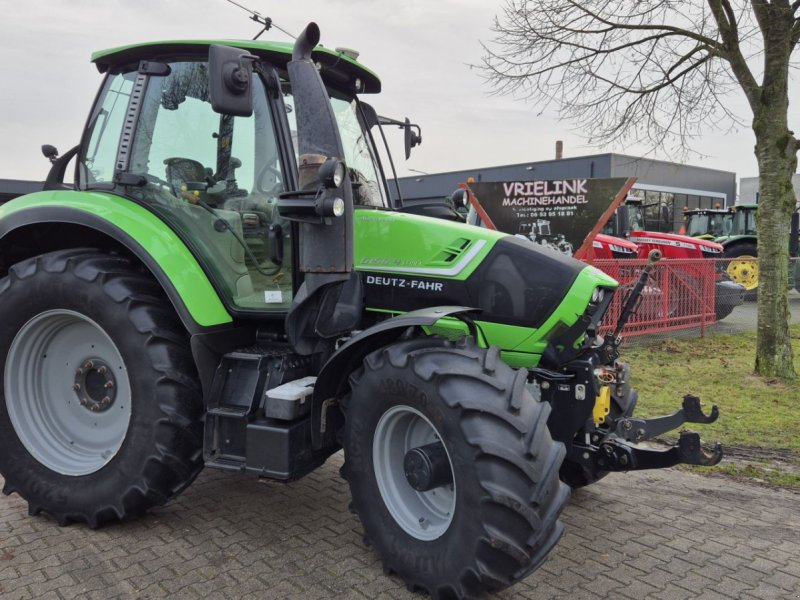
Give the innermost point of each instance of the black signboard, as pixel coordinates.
(563, 214)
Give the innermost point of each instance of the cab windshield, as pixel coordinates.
(715, 224)
(744, 222)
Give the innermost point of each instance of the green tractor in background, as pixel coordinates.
(226, 284)
(740, 244)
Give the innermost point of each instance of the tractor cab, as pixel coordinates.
(708, 223)
(743, 220)
(217, 178)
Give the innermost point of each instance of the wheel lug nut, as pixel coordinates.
(109, 384)
(95, 408)
(78, 371)
(89, 364)
(105, 400)
(102, 370)
(76, 387)
(83, 401)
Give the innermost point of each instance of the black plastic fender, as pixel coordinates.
(333, 378)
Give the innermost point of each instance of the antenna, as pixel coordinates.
(265, 22)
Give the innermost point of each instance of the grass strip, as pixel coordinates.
(755, 412)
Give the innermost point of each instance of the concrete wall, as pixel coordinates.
(687, 179)
(748, 188)
(11, 188)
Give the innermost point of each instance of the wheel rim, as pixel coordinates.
(744, 271)
(67, 392)
(423, 515)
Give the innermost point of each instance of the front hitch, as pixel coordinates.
(637, 430)
(618, 449)
(616, 454)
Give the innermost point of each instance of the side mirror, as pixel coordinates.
(621, 223)
(50, 152)
(412, 138)
(230, 74)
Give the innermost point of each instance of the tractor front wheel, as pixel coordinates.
(743, 267)
(451, 467)
(100, 411)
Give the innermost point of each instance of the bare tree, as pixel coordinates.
(660, 72)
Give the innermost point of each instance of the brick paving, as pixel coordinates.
(667, 535)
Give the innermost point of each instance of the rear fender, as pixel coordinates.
(125, 225)
(738, 239)
(333, 381)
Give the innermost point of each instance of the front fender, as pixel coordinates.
(333, 378)
(137, 229)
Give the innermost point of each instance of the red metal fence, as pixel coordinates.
(681, 294)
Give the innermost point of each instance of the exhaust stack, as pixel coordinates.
(306, 42)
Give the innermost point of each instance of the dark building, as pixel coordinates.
(659, 183)
(11, 188)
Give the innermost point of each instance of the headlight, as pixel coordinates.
(331, 173)
(621, 249)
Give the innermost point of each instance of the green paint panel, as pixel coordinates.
(520, 359)
(280, 53)
(416, 245)
(571, 308)
(160, 242)
(523, 346)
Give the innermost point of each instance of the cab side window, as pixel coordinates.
(97, 162)
(215, 178)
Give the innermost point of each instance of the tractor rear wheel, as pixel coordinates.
(100, 410)
(451, 467)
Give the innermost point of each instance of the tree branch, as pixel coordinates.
(723, 14)
(630, 27)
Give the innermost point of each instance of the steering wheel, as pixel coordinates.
(269, 169)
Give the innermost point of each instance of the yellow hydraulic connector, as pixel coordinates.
(602, 406)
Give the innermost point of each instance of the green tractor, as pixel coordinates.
(227, 285)
(740, 244)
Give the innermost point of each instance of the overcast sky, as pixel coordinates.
(421, 49)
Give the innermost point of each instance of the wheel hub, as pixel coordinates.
(427, 467)
(71, 416)
(94, 385)
(414, 472)
(744, 271)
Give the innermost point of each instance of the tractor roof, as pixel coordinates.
(706, 211)
(338, 69)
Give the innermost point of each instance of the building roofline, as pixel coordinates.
(610, 155)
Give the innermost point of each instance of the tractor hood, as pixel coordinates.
(602, 240)
(408, 262)
(673, 245)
